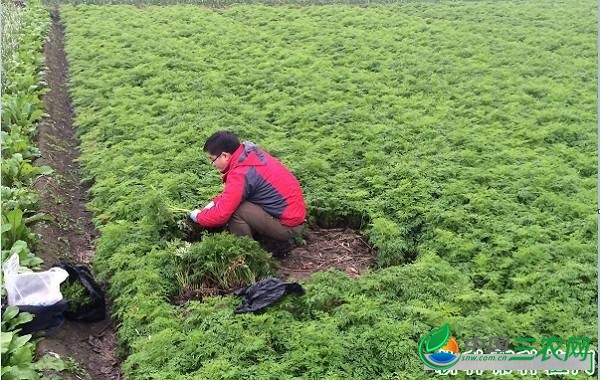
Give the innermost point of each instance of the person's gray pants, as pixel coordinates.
(250, 219)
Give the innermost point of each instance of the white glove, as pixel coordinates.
(194, 214)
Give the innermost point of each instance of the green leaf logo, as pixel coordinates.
(437, 338)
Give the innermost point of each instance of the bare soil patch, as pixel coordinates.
(339, 248)
(198, 294)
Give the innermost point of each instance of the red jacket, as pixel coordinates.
(255, 176)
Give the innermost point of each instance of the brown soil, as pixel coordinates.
(92, 346)
(339, 248)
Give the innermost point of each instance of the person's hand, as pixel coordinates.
(194, 214)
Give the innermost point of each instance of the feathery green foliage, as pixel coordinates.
(460, 136)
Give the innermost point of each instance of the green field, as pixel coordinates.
(460, 137)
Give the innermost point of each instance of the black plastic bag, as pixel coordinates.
(263, 293)
(44, 317)
(93, 311)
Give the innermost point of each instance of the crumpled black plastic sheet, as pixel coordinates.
(47, 317)
(263, 293)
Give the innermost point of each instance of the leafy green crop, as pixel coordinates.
(459, 136)
(23, 198)
(17, 350)
(21, 110)
(17, 172)
(15, 226)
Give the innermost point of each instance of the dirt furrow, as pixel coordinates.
(91, 347)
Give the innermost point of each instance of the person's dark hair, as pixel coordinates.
(222, 141)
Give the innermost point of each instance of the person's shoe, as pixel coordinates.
(278, 248)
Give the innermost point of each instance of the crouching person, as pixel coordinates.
(261, 196)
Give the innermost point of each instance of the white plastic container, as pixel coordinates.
(32, 288)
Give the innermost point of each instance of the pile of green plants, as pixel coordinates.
(222, 262)
(76, 294)
(459, 136)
